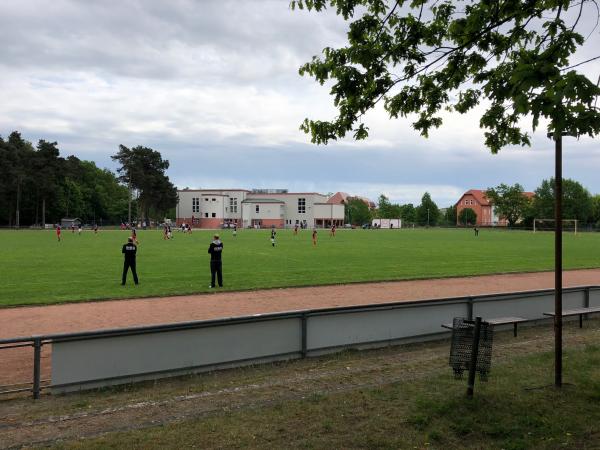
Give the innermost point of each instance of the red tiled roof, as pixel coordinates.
(338, 198)
(482, 199)
(479, 196)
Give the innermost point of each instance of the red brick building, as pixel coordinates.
(483, 207)
(478, 202)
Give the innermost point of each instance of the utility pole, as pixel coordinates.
(129, 191)
(558, 259)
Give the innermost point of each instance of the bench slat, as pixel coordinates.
(576, 311)
(496, 321)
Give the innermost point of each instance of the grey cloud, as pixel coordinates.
(165, 40)
(214, 86)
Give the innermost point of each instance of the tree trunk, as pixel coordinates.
(43, 213)
(37, 209)
(17, 216)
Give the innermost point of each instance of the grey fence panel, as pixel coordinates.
(530, 307)
(122, 356)
(594, 297)
(571, 300)
(362, 327)
(99, 358)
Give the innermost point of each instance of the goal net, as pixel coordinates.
(568, 225)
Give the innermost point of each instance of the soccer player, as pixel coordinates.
(314, 237)
(79, 230)
(273, 233)
(332, 232)
(58, 232)
(134, 236)
(95, 228)
(296, 230)
(235, 230)
(216, 268)
(129, 250)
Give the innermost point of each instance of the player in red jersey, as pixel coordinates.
(58, 232)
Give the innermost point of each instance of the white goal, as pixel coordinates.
(568, 225)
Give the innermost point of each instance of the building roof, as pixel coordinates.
(338, 198)
(482, 198)
(479, 196)
(213, 190)
(262, 200)
(292, 193)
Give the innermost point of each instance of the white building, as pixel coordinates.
(214, 208)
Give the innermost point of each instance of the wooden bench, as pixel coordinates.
(577, 312)
(499, 321)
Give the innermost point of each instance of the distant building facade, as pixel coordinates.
(264, 208)
(483, 207)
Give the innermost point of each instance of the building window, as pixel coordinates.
(214, 214)
(257, 209)
(195, 205)
(206, 199)
(214, 199)
(233, 204)
(205, 214)
(301, 206)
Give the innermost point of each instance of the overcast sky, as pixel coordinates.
(214, 86)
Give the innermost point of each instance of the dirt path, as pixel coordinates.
(27, 321)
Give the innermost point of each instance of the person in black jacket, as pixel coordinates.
(129, 250)
(216, 249)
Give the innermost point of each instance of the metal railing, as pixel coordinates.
(36, 385)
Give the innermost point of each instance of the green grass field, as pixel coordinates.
(36, 269)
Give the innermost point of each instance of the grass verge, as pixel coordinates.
(404, 397)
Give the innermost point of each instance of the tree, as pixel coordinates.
(408, 213)
(143, 170)
(425, 56)
(43, 187)
(357, 212)
(595, 219)
(509, 202)
(450, 216)
(467, 217)
(427, 212)
(47, 162)
(577, 201)
(384, 207)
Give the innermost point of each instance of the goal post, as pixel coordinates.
(569, 225)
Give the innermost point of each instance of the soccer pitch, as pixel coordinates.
(36, 269)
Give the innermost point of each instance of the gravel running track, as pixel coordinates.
(72, 317)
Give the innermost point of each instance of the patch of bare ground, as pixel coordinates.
(25, 422)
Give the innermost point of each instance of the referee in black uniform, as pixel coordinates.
(216, 249)
(129, 250)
